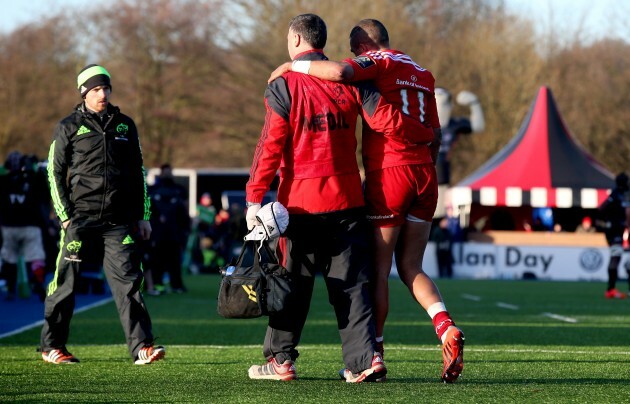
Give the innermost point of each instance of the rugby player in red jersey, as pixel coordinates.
(309, 135)
(401, 187)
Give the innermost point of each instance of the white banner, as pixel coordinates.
(490, 261)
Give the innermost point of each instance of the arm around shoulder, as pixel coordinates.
(331, 70)
(322, 69)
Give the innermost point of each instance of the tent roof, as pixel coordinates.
(541, 166)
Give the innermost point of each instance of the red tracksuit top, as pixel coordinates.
(309, 134)
(408, 87)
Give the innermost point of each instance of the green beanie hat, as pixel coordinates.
(92, 76)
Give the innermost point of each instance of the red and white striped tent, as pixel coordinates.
(542, 166)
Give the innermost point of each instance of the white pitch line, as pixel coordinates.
(41, 322)
(559, 317)
(515, 307)
(319, 347)
(507, 306)
(553, 351)
(22, 329)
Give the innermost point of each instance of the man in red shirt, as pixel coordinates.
(401, 185)
(309, 134)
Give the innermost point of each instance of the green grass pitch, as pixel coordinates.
(526, 341)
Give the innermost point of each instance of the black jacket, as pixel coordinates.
(95, 168)
(170, 221)
(612, 214)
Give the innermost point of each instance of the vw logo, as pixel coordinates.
(591, 260)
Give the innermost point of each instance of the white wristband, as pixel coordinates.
(301, 66)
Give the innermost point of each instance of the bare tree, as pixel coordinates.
(192, 73)
(593, 84)
(165, 59)
(35, 89)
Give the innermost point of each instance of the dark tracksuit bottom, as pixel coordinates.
(614, 238)
(166, 257)
(335, 244)
(121, 264)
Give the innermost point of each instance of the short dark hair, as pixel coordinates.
(312, 28)
(370, 30)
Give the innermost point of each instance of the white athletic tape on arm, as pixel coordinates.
(301, 66)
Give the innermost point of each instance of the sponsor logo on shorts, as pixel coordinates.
(378, 217)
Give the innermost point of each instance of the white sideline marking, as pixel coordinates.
(22, 329)
(507, 306)
(406, 348)
(515, 307)
(437, 347)
(41, 322)
(93, 305)
(554, 351)
(559, 317)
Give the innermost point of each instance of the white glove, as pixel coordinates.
(466, 98)
(252, 221)
(274, 218)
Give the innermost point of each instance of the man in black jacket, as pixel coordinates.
(99, 194)
(614, 219)
(171, 224)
